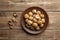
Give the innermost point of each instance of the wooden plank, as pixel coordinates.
(54, 18)
(29, 0)
(21, 35)
(48, 6)
(47, 35)
(34, 0)
(4, 34)
(24, 0)
(8, 13)
(51, 0)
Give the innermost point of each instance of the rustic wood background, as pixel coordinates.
(8, 7)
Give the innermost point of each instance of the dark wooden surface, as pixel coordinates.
(8, 7)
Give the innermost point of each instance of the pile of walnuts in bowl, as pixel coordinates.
(34, 19)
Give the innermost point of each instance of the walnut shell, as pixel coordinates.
(29, 22)
(35, 25)
(43, 20)
(26, 20)
(14, 19)
(38, 12)
(15, 15)
(30, 13)
(32, 28)
(39, 22)
(31, 18)
(28, 26)
(35, 20)
(34, 11)
(41, 25)
(38, 28)
(42, 15)
(26, 16)
(37, 17)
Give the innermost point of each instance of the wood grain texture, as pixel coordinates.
(20, 6)
(4, 34)
(21, 35)
(8, 7)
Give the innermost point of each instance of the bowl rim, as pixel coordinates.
(30, 31)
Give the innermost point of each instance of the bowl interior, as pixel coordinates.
(33, 31)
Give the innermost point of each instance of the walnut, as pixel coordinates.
(34, 10)
(35, 25)
(30, 13)
(26, 16)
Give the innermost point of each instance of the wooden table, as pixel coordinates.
(8, 7)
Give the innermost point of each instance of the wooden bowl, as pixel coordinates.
(32, 31)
